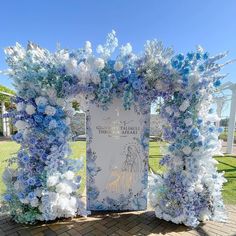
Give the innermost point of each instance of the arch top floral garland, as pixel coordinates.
(44, 185)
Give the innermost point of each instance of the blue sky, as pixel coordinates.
(182, 24)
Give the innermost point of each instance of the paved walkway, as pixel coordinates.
(121, 224)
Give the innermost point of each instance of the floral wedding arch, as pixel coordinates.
(45, 183)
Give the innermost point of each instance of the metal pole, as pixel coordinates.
(231, 127)
(4, 127)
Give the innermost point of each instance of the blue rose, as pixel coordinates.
(25, 159)
(7, 197)
(31, 195)
(126, 72)
(221, 129)
(186, 70)
(18, 137)
(136, 84)
(205, 56)
(201, 68)
(38, 118)
(41, 108)
(180, 57)
(217, 83)
(195, 132)
(21, 195)
(190, 55)
(31, 181)
(198, 55)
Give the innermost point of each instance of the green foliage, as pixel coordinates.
(4, 97)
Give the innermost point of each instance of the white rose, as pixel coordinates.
(30, 109)
(24, 201)
(184, 105)
(20, 106)
(188, 121)
(17, 185)
(50, 111)
(99, 64)
(20, 124)
(168, 110)
(34, 202)
(176, 114)
(68, 121)
(41, 100)
(118, 66)
(204, 215)
(187, 150)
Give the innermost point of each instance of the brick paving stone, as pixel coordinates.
(61, 230)
(24, 233)
(134, 230)
(123, 233)
(86, 230)
(38, 234)
(112, 230)
(49, 232)
(118, 223)
(73, 232)
(97, 232)
(64, 234)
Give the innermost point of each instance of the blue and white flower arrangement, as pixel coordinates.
(44, 184)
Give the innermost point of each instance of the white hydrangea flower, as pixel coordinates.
(184, 106)
(188, 121)
(30, 109)
(95, 78)
(100, 49)
(50, 111)
(198, 188)
(62, 55)
(88, 48)
(126, 49)
(20, 125)
(99, 64)
(20, 106)
(64, 187)
(118, 66)
(69, 175)
(71, 66)
(52, 180)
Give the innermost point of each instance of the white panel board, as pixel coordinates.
(117, 157)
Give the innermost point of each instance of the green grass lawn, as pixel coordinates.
(226, 164)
